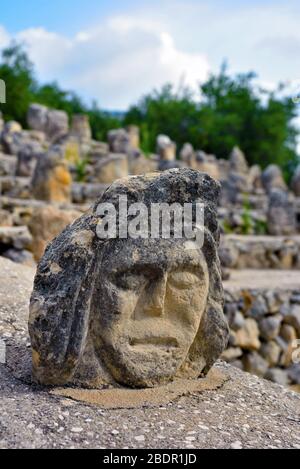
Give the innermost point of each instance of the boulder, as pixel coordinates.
(277, 375)
(271, 352)
(37, 117)
(52, 180)
(269, 327)
(119, 141)
(166, 149)
(238, 162)
(8, 165)
(255, 364)
(247, 338)
(272, 178)
(130, 310)
(80, 127)
(110, 168)
(27, 159)
(187, 155)
(281, 216)
(55, 124)
(45, 224)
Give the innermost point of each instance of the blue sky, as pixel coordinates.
(115, 51)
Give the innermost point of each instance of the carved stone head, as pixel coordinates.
(135, 311)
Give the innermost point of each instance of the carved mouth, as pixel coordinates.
(161, 342)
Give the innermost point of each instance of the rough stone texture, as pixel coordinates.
(246, 411)
(272, 178)
(166, 148)
(111, 167)
(207, 164)
(272, 301)
(139, 164)
(8, 164)
(187, 154)
(46, 223)
(52, 180)
(238, 161)
(27, 159)
(37, 117)
(118, 141)
(131, 311)
(17, 237)
(281, 215)
(80, 127)
(260, 252)
(50, 121)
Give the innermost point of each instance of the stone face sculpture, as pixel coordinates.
(136, 312)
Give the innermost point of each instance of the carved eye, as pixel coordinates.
(183, 279)
(130, 281)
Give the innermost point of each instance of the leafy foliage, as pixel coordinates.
(227, 111)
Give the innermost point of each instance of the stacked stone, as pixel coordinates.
(265, 332)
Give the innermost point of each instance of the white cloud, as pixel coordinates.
(125, 56)
(4, 37)
(114, 63)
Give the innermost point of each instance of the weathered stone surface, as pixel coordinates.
(272, 178)
(255, 364)
(270, 326)
(6, 218)
(20, 256)
(207, 164)
(277, 375)
(238, 161)
(110, 168)
(119, 141)
(132, 311)
(52, 180)
(27, 159)
(13, 138)
(247, 337)
(8, 164)
(54, 123)
(259, 252)
(293, 318)
(166, 148)
(17, 237)
(46, 223)
(187, 155)
(271, 352)
(134, 137)
(281, 213)
(37, 117)
(80, 127)
(139, 164)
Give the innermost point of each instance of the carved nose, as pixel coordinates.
(154, 307)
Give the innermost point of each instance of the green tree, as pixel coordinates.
(228, 111)
(165, 112)
(53, 96)
(17, 72)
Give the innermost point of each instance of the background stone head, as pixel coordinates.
(133, 311)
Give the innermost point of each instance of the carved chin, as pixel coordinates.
(148, 362)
